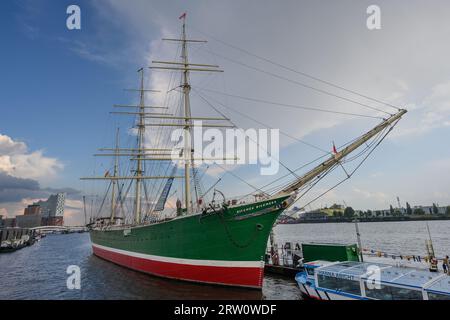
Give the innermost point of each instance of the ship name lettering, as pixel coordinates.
(259, 206)
(336, 275)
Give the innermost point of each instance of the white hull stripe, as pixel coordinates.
(193, 262)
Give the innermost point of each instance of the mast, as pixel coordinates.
(336, 158)
(138, 153)
(187, 114)
(185, 67)
(114, 182)
(84, 209)
(141, 130)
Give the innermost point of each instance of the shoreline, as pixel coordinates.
(378, 219)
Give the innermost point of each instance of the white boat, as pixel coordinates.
(352, 280)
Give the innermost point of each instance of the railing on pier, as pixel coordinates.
(285, 255)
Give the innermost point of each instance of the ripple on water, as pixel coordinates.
(39, 272)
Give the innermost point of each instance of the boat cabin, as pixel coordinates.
(372, 281)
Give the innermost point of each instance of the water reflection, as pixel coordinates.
(39, 272)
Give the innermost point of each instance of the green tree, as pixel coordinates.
(408, 209)
(447, 211)
(391, 210)
(369, 213)
(418, 212)
(349, 212)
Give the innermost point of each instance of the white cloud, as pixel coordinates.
(378, 196)
(432, 113)
(73, 213)
(17, 161)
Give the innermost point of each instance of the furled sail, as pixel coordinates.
(165, 192)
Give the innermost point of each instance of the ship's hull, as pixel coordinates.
(225, 248)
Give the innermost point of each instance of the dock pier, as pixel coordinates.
(284, 260)
(12, 238)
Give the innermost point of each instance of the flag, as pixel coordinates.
(106, 173)
(183, 16)
(334, 149)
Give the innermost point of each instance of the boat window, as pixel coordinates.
(327, 282)
(393, 293)
(310, 271)
(344, 285)
(383, 293)
(406, 294)
(438, 296)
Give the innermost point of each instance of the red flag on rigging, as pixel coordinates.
(182, 16)
(334, 149)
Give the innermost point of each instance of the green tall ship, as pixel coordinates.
(218, 242)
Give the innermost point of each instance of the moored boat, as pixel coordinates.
(352, 280)
(222, 247)
(217, 242)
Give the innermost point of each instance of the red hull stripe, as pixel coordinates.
(233, 276)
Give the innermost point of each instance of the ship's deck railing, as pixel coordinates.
(156, 218)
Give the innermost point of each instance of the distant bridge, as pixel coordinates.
(48, 229)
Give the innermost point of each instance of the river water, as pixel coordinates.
(39, 271)
(401, 238)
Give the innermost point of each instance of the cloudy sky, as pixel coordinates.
(57, 87)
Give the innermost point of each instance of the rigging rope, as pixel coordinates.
(291, 105)
(300, 83)
(267, 126)
(297, 71)
(270, 155)
(354, 170)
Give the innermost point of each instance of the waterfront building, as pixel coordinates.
(314, 215)
(53, 207)
(9, 223)
(429, 209)
(294, 213)
(32, 209)
(29, 221)
(43, 213)
(52, 210)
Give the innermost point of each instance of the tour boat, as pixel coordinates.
(352, 280)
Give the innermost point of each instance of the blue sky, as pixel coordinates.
(53, 99)
(57, 86)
